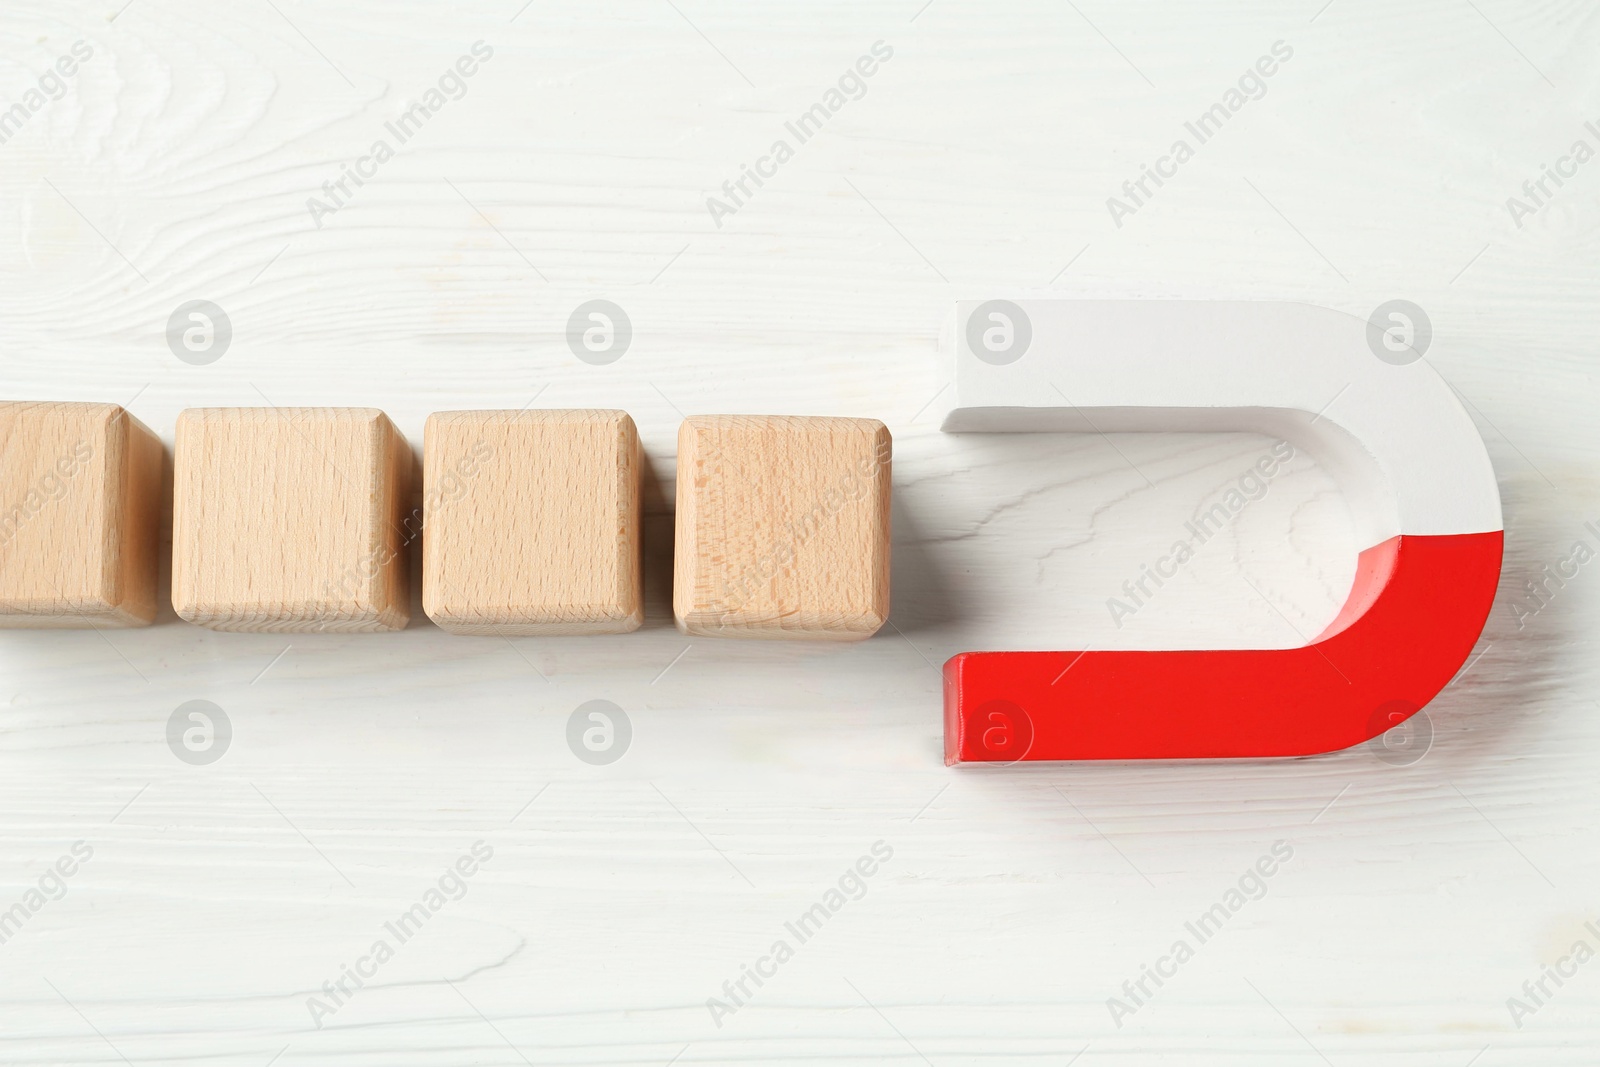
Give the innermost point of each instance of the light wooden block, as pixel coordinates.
(290, 519)
(531, 522)
(80, 513)
(782, 527)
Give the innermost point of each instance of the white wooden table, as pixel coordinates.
(577, 162)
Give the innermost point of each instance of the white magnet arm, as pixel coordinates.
(1395, 436)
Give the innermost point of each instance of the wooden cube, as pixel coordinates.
(782, 527)
(532, 522)
(291, 519)
(80, 514)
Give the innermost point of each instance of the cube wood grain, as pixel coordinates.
(532, 522)
(782, 527)
(80, 511)
(290, 520)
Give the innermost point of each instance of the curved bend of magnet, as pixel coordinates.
(1395, 437)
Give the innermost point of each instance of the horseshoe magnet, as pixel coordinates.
(1421, 489)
